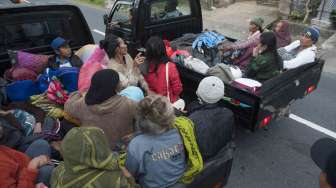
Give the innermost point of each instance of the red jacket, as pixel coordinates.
(158, 84)
(13, 169)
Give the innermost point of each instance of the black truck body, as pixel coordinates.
(251, 110)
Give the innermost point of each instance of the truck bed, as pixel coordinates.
(254, 111)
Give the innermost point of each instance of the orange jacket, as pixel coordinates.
(13, 169)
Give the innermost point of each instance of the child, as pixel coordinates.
(63, 55)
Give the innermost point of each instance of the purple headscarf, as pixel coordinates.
(284, 37)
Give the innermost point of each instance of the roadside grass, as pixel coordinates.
(100, 3)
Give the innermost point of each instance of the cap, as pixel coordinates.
(58, 42)
(313, 32)
(210, 89)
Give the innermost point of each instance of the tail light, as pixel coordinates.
(265, 121)
(311, 89)
(235, 101)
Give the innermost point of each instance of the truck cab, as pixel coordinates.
(136, 20)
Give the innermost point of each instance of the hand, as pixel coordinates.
(4, 113)
(38, 127)
(41, 185)
(256, 51)
(39, 161)
(56, 145)
(139, 59)
(125, 172)
(226, 48)
(113, 24)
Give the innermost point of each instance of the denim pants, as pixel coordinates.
(37, 148)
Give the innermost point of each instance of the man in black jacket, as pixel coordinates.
(214, 125)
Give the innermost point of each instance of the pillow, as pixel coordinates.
(34, 62)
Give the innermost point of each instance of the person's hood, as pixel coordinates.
(108, 106)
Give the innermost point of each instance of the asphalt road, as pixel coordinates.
(280, 156)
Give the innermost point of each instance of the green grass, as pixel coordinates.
(100, 3)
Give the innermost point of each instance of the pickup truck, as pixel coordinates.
(146, 18)
(31, 28)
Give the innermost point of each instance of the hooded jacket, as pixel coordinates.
(88, 162)
(115, 116)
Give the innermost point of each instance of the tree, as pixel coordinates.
(308, 11)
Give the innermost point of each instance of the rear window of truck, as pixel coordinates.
(32, 34)
(169, 9)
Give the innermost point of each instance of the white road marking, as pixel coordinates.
(26, 1)
(99, 32)
(313, 125)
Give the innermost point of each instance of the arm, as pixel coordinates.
(302, 58)
(73, 104)
(38, 113)
(27, 176)
(174, 80)
(132, 164)
(252, 68)
(292, 46)
(246, 43)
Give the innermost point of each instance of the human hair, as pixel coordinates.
(156, 51)
(269, 39)
(110, 44)
(155, 114)
(171, 5)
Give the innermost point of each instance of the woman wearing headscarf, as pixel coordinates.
(88, 162)
(282, 34)
(102, 107)
(255, 30)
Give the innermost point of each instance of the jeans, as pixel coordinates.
(37, 148)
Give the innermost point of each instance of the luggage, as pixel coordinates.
(26, 66)
(22, 90)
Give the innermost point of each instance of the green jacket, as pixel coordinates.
(263, 67)
(88, 162)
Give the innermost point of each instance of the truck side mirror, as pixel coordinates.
(105, 17)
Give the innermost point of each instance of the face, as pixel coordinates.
(130, 17)
(323, 181)
(305, 41)
(122, 48)
(253, 28)
(278, 27)
(65, 51)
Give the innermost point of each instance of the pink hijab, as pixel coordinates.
(284, 37)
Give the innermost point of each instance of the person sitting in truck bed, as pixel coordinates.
(171, 10)
(123, 63)
(301, 52)
(102, 107)
(156, 157)
(282, 32)
(266, 63)
(63, 55)
(161, 75)
(255, 29)
(213, 123)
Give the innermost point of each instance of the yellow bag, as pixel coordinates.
(195, 162)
